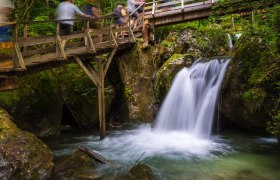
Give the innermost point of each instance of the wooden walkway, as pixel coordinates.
(161, 12)
(42, 52)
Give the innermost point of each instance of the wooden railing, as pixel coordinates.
(30, 50)
(161, 7)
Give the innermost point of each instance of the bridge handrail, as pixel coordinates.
(53, 44)
(158, 6)
(7, 23)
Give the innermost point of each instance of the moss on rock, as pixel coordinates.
(140, 171)
(23, 154)
(250, 87)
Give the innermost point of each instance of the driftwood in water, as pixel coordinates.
(94, 155)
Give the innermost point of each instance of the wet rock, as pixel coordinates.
(22, 155)
(78, 166)
(166, 74)
(136, 71)
(249, 86)
(140, 171)
(36, 106)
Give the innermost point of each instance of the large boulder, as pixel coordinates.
(36, 106)
(136, 70)
(76, 166)
(166, 73)
(22, 155)
(249, 89)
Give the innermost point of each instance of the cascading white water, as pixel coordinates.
(230, 41)
(185, 116)
(191, 102)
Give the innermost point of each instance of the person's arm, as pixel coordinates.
(96, 12)
(80, 13)
(137, 2)
(123, 12)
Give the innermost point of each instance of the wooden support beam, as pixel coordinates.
(101, 102)
(132, 35)
(89, 71)
(93, 73)
(114, 39)
(109, 61)
(19, 56)
(61, 47)
(91, 42)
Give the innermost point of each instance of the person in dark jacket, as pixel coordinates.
(92, 9)
(119, 14)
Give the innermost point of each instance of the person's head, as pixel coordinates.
(71, 1)
(91, 1)
(120, 4)
(6, 8)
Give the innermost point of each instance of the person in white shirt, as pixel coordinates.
(67, 11)
(131, 6)
(6, 26)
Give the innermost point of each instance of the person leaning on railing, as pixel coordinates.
(6, 28)
(6, 33)
(119, 14)
(91, 8)
(131, 7)
(66, 11)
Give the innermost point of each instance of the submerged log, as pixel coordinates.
(95, 156)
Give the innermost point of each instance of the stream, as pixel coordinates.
(231, 155)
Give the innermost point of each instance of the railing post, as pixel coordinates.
(143, 13)
(15, 34)
(154, 7)
(56, 37)
(25, 34)
(129, 35)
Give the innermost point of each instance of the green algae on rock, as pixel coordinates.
(22, 154)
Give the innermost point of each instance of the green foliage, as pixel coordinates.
(128, 94)
(254, 99)
(274, 126)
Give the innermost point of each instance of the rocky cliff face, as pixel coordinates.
(250, 91)
(22, 155)
(147, 73)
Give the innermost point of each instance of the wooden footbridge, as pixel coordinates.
(31, 53)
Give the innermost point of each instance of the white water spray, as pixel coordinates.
(191, 102)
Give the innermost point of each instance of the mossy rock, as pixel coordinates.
(23, 154)
(140, 171)
(36, 106)
(250, 85)
(166, 73)
(78, 165)
(136, 71)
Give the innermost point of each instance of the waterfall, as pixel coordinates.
(190, 104)
(230, 41)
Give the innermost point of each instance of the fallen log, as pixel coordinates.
(95, 156)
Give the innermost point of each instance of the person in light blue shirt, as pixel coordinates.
(68, 11)
(131, 6)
